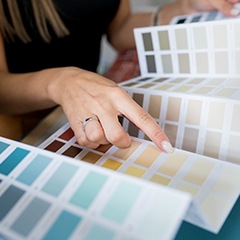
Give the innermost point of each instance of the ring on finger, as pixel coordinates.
(87, 120)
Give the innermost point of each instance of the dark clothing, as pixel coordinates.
(87, 21)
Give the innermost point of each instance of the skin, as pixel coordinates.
(82, 94)
(182, 7)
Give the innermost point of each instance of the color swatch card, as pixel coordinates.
(214, 185)
(203, 49)
(190, 83)
(44, 195)
(200, 115)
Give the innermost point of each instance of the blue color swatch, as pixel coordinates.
(121, 201)
(99, 232)
(8, 199)
(34, 169)
(31, 216)
(3, 146)
(59, 179)
(88, 190)
(13, 160)
(63, 227)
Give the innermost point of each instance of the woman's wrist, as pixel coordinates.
(55, 84)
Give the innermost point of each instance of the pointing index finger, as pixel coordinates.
(149, 126)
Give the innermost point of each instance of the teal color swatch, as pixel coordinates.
(8, 199)
(34, 169)
(59, 179)
(88, 189)
(121, 202)
(100, 233)
(3, 146)
(63, 227)
(13, 160)
(30, 216)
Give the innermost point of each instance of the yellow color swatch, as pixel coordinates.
(183, 89)
(204, 90)
(212, 207)
(199, 171)
(194, 110)
(164, 87)
(133, 171)
(124, 154)
(187, 188)
(160, 179)
(148, 156)
(174, 106)
(173, 163)
(155, 106)
(147, 85)
(112, 164)
(227, 182)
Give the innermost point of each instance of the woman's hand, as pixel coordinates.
(227, 7)
(84, 95)
(183, 7)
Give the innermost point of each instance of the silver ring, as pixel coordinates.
(84, 123)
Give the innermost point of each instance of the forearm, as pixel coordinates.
(22, 93)
(120, 32)
(124, 38)
(176, 8)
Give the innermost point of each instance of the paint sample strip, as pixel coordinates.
(92, 195)
(181, 170)
(221, 87)
(198, 17)
(187, 49)
(181, 117)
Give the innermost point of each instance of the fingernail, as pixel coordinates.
(167, 147)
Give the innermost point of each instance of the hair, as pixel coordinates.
(44, 12)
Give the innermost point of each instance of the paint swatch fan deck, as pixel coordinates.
(214, 185)
(44, 195)
(190, 84)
